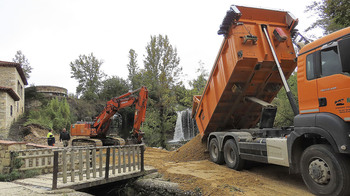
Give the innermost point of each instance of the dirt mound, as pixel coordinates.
(207, 178)
(37, 135)
(193, 150)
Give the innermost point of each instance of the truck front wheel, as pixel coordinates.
(231, 154)
(324, 171)
(215, 154)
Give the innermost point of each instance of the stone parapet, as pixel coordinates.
(5, 148)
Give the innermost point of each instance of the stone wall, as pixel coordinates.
(10, 78)
(5, 157)
(52, 90)
(6, 118)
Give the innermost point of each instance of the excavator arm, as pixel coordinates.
(103, 121)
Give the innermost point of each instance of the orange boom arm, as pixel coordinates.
(103, 121)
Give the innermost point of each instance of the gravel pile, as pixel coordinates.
(194, 150)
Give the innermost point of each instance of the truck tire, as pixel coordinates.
(231, 154)
(214, 152)
(325, 172)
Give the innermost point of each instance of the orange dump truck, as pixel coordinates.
(235, 115)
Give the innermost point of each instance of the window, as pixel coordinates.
(310, 68)
(11, 110)
(19, 89)
(330, 62)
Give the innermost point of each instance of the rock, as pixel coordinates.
(154, 184)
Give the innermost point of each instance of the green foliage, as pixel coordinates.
(160, 75)
(32, 94)
(200, 82)
(21, 59)
(15, 174)
(87, 70)
(134, 76)
(332, 14)
(55, 115)
(113, 87)
(85, 109)
(285, 115)
(16, 162)
(184, 96)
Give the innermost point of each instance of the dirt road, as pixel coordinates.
(208, 178)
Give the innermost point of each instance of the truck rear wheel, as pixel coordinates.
(325, 172)
(231, 154)
(214, 152)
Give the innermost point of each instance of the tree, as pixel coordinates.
(21, 59)
(199, 83)
(285, 115)
(87, 70)
(332, 14)
(161, 73)
(185, 96)
(134, 76)
(113, 87)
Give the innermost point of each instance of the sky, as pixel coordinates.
(53, 33)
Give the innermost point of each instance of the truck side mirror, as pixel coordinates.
(344, 48)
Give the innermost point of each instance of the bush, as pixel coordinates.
(15, 173)
(55, 115)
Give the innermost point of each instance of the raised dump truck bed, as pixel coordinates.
(245, 68)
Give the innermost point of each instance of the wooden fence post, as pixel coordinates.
(93, 163)
(129, 158)
(119, 160)
(55, 170)
(138, 157)
(72, 165)
(64, 165)
(142, 158)
(133, 157)
(107, 163)
(113, 155)
(124, 165)
(80, 164)
(87, 161)
(100, 161)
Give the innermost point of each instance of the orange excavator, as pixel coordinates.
(96, 132)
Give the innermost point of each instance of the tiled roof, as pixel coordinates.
(18, 67)
(10, 142)
(10, 91)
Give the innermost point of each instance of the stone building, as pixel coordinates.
(12, 82)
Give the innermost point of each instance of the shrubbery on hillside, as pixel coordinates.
(56, 115)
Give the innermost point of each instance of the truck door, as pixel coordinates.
(332, 84)
(307, 84)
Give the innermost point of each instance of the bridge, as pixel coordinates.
(80, 167)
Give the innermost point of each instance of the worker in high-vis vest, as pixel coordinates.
(50, 138)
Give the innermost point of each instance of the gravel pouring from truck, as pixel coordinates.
(235, 113)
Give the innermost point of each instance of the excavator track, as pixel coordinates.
(87, 142)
